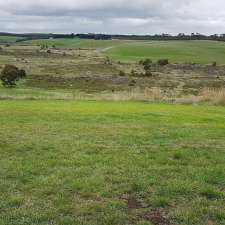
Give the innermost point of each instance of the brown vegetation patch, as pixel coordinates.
(158, 217)
(134, 201)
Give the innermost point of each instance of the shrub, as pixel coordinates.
(147, 67)
(141, 62)
(108, 61)
(10, 74)
(148, 73)
(214, 64)
(163, 62)
(22, 73)
(122, 73)
(134, 73)
(132, 83)
(147, 62)
(49, 51)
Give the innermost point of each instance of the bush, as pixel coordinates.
(141, 62)
(148, 73)
(122, 73)
(147, 62)
(22, 73)
(214, 64)
(163, 62)
(147, 67)
(10, 74)
(134, 73)
(108, 61)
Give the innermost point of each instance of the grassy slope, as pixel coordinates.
(72, 162)
(76, 43)
(8, 39)
(175, 51)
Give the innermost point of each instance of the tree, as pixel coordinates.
(147, 64)
(10, 74)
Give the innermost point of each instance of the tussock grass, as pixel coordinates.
(207, 95)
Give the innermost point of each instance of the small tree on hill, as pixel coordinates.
(10, 75)
(147, 64)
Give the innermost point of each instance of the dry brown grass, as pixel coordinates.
(214, 96)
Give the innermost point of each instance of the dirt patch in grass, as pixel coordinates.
(158, 217)
(140, 211)
(133, 202)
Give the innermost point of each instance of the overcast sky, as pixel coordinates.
(113, 16)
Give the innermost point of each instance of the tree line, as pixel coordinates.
(163, 37)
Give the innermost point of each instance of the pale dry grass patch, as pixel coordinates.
(214, 96)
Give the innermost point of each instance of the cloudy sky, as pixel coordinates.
(113, 16)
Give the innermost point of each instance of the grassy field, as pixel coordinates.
(8, 39)
(204, 52)
(111, 163)
(76, 43)
(176, 51)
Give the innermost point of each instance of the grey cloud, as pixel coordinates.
(113, 16)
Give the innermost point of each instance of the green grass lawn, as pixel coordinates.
(94, 163)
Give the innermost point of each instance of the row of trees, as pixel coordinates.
(180, 36)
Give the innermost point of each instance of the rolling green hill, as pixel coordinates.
(75, 43)
(204, 52)
(175, 51)
(8, 39)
